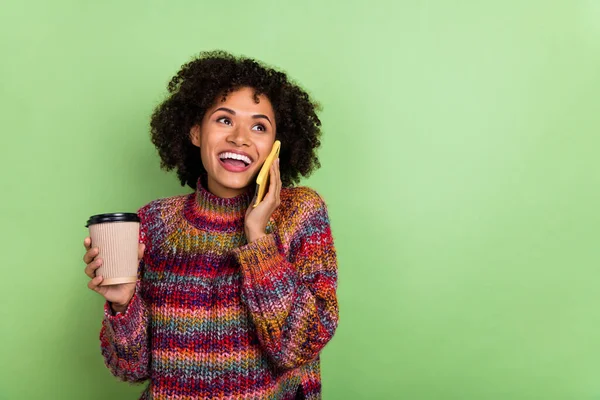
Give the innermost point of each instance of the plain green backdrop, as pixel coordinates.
(460, 163)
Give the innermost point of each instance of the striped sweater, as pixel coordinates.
(215, 317)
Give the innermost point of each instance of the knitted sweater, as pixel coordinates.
(215, 317)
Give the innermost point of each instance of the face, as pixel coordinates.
(235, 137)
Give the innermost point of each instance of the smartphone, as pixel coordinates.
(262, 181)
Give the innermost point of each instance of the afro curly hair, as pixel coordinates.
(213, 74)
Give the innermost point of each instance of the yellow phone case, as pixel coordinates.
(262, 181)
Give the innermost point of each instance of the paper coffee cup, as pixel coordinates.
(116, 235)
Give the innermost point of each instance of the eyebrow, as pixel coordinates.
(230, 111)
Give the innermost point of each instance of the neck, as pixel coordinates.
(221, 191)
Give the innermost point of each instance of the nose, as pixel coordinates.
(239, 137)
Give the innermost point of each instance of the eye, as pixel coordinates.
(261, 126)
(224, 120)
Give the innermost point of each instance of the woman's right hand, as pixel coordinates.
(119, 295)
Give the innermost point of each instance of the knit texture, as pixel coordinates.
(215, 317)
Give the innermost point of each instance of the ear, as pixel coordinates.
(195, 135)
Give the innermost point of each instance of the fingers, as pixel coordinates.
(278, 192)
(272, 178)
(270, 195)
(274, 183)
(87, 243)
(94, 285)
(90, 269)
(89, 255)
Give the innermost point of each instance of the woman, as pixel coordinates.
(232, 301)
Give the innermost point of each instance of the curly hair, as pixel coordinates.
(196, 88)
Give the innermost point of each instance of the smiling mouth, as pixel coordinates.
(235, 160)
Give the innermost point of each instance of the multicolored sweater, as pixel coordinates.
(215, 317)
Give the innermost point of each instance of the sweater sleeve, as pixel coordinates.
(292, 300)
(124, 339)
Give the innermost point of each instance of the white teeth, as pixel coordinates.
(235, 156)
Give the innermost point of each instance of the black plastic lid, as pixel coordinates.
(112, 217)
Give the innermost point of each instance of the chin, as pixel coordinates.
(236, 183)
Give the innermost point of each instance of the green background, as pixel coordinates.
(460, 166)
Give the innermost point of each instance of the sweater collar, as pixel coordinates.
(209, 212)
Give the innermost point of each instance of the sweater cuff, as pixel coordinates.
(127, 323)
(259, 258)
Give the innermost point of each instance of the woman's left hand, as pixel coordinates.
(255, 223)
